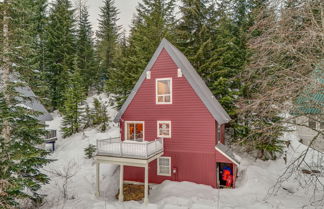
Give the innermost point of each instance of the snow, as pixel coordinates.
(255, 182)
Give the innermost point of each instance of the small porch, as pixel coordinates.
(127, 153)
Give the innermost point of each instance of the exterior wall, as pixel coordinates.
(194, 167)
(306, 134)
(192, 145)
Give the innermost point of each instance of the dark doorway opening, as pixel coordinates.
(225, 175)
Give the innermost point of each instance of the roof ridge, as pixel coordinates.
(195, 81)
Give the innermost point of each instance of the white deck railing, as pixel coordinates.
(117, 148)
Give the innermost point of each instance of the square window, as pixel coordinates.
(164, 129)
(134, 131)
(164, 166)
(164, 91)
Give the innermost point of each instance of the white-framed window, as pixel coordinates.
(164, 166)
(163, 90)
(164, 129)
(134, 131)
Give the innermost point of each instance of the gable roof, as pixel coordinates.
(226, 151)
(30, 100)
(196, 82)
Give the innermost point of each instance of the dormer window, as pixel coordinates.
(164, 91)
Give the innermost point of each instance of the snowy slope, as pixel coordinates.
(256, 178)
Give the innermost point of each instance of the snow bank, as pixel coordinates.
(256, 179)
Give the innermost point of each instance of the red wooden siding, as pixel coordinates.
(222, 134)
(194, 167)
(192, 145)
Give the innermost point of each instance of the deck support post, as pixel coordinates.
(97, 179)
(146, 185)
(121, 184)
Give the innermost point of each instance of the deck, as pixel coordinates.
(129, 149)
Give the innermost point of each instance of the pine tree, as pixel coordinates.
(194, 33)
(155, 20)
(34, 75)
(21, 134)
(87, 62)
(75, 94)
(206, 36)
(107, 36)
(60, 50)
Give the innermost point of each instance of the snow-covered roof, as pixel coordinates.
(196, 82)
(30, 100)
(227, 152)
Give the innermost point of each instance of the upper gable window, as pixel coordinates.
(164, 91)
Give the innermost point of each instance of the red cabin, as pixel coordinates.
(173, 119)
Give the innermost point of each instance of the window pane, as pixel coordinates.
(164, 170)
(130, 131)
(164, 87)
(164, 129)
(160, 98)
(135, 131)
(139, 131)
(311, 123)
(164, 162)
(167, 99)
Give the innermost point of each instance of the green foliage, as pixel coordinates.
(86, 60)
(75, 95)
(107, 35)
(100, 116)
(87, 117)
(267, 143)
(89, 151)
(60, 50)
(21, 158)
(155, 20)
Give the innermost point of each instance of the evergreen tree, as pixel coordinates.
(107, 39)
(194, 33)
(60, 50)
(206, 34)
(21, 134)
(38, 81)
(75, 94)
(86, 59)
(155, 20)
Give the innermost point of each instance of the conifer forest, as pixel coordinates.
(263, 60)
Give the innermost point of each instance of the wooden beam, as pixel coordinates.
(146, 186)
(97, 179)
(121, 183)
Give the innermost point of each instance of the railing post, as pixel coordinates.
(97, 145)
(147, 150)
(121, 148)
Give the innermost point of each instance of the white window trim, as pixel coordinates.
(125, 130)
(158, 132)
(156, 90)
(158, 166)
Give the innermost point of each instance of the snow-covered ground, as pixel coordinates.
(256, 179)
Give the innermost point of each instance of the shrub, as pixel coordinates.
(89, 151)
